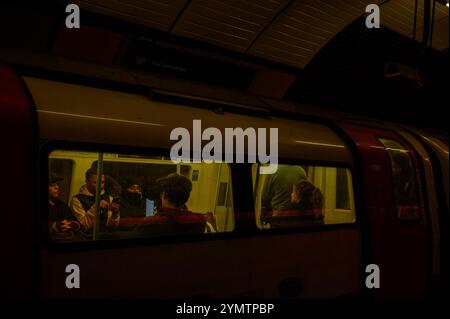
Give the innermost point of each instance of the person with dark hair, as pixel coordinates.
(173, 214)
(276, 193)
(83, 204)
(277, 188)
(174, 191)
(307, 199)
(132, 203)
(58, 212)
(306, 207)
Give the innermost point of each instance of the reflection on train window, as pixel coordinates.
(139, 197)
(303, 196)
(405, 186)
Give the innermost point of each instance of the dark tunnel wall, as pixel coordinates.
(348, 74)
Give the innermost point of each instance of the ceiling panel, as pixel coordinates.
(157, 14)
(304, 28)
(398, 15)
(441, 34)
(233, 24)
(440, 28)
(291, 32)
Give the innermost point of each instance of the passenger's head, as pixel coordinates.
(132, 191)
(91, 180)
(306, 196)
(54, 187)
(133, 187)
(174, 190)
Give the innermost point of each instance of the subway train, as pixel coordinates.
(383, 192)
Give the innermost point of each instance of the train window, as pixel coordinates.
(405, 186)
(140, 197)
(302, 196)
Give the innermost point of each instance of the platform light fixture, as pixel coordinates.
(443, 2)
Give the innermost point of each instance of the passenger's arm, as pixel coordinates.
(85, 218)
(113, 219)
(53, 228)
(113, 215)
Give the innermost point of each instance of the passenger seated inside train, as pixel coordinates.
(62, 222)
(306, 207)
(83, 204)
(112, 187)
(132, 203)
(276, 194)
(173, 217)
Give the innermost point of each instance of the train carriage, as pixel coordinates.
(67, 128)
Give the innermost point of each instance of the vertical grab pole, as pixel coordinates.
(426, 22)
(97, 195)
(217, 187)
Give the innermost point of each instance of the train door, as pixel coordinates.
(433, 204)
(437, 148)
(397, 224)
(440, 149)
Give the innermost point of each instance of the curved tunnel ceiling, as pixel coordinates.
(284, 31)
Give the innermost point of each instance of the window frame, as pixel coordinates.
(47, 147)
(323, 227)
(242, 228)
(417, 181)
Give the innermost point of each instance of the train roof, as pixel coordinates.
(71, 112)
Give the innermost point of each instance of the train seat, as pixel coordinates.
(293, 218)
(181, 224)
(408, 212)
